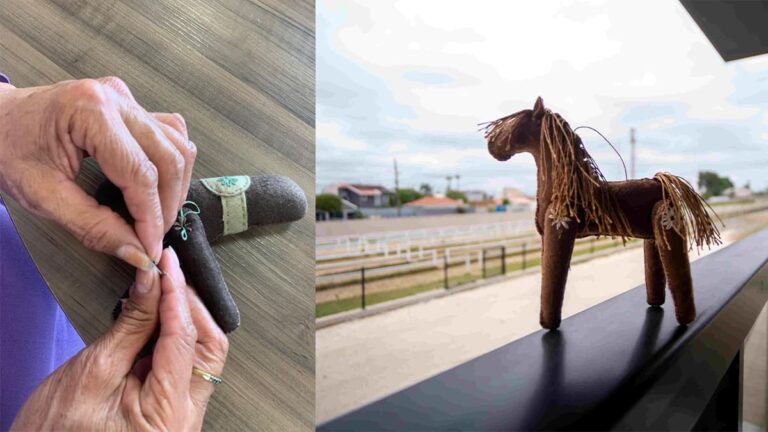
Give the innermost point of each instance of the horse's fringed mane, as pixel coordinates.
(689, 216)
(576, 181)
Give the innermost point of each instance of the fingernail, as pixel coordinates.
(135, 257)
(158, 253)
(143, 282)
(174, 256)
(174, 271)
(139, 288)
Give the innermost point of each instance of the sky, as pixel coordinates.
(412, 79)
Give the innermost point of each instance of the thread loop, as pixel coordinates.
(181, 221)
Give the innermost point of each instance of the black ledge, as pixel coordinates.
(736, 28)
(618, 365)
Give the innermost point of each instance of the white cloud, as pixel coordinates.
(519, 50)
(721, 111)
(653, 156)
(333, 134)
(450, 158)
(590, 61)
(397, 148)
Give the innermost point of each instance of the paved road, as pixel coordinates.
(360, 361)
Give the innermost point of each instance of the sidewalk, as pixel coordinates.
(363, 360)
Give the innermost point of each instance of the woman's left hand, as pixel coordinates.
(101, 389)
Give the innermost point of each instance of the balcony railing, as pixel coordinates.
(618, 365)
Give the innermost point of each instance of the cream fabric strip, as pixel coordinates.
(234, 206)
(235, 211)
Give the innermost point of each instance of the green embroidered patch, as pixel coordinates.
(234, 206)
(228, 181)
(227, 185)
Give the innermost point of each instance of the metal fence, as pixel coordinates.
(358, 246)
(380, 278)
(448, 271)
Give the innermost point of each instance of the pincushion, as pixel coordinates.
(217, 207)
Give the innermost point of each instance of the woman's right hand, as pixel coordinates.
(45, 132)
(98, 388)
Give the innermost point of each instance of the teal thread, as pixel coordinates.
(182, 219)
(227, 181)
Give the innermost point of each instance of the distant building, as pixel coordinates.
(361, 195)
(486, 205)
(432, 205)
(348, 211)
(518, 200)
(475, 195)
(739, 192)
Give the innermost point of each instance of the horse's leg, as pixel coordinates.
(556, 250)
(677, 269)
(654, 274)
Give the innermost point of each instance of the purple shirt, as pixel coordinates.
(35, 335)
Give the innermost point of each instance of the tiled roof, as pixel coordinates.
(431, 201)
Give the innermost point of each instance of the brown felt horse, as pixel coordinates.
(574, 200)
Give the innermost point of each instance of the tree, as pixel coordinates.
(506, 201)
(425, 189)
(406, 195)
(456, 195)
(329, 203)
(713, 184)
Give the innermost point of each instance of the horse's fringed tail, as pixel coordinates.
(689, 217)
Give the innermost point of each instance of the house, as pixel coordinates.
(475, 195)
(744, 192)
(517, 199)
(436, 202)
(485, 205)
(348, 211)
(736, 193)
(433, 205)
(361, 195)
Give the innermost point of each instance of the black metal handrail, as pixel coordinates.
(617, 365)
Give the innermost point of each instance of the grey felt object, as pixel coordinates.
(202, 271)
(270, 199)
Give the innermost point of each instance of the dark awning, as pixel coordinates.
(737, 29)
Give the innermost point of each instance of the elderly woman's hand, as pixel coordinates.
(45, 132)
(98, 389)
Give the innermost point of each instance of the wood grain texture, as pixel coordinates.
(242, 74)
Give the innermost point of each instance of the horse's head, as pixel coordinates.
(515, 133)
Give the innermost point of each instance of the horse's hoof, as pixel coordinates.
(550, 324)
(685, 319)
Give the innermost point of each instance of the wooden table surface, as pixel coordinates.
(242, 74)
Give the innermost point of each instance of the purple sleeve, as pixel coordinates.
(35, 335)
(4, 78)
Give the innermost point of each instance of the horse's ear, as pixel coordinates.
(538, 107)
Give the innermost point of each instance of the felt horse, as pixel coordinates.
(574, 200)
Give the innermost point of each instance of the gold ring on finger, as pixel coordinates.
(211, 378)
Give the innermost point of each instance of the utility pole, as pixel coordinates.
(632, 153)
(458, 182)
(448, 188)
(397, 187)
